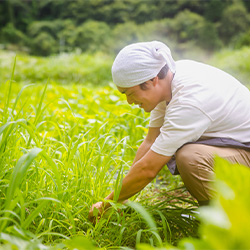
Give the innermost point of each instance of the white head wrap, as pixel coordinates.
(140, 62)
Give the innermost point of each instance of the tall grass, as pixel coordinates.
(64, 148)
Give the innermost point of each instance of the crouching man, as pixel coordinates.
(196, 112)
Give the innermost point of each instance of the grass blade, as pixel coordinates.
(18, 96)
(5, 113)
(40, 104)
(148, 219)
(55, 171)
(38, 111)
(34, 214)
(118, 184)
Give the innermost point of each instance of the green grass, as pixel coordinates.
(85, 69)
(61, 150)
(65, 146)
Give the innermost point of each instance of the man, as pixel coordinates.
(197, 112)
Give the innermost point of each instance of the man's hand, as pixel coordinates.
(96, 212)
(139, 175)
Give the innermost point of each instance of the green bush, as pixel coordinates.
(50, 27)
(235, 20)
(124, 34)
(243, 40)
(91, 36)
(207, 36)
(189, 27)
(60, 33)
(44, 44)
(185, 26)
(12, 35)
(66, 36)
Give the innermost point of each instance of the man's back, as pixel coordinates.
(206, 102)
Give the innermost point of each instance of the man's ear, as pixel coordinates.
(155, 80)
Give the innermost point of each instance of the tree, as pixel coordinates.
(4, 17)
(50, 9)
(208, 37)
(215, 8)
(44, 44)
(243, 40)
(51, 27)
(184, 27)
(92, 36)
(12, 35)
(235, 20)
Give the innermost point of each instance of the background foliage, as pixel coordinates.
(47, 27)
(67, 136)
(65, 145)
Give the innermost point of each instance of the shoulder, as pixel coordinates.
(192, 66)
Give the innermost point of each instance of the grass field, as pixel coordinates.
(64, 145)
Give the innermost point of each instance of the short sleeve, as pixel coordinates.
(182, 124)
(157, 115)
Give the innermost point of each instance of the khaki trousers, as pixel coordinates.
(195, 164)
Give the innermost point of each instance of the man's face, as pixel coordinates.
(145, 98)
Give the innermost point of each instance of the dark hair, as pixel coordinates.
(162, 74)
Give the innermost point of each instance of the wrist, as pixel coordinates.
(105, 204)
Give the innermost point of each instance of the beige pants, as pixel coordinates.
(195, 164)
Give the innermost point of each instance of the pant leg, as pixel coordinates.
(195, 164)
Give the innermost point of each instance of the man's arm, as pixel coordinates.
(147, 143)
(142, 172)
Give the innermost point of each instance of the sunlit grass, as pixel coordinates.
(62, 148)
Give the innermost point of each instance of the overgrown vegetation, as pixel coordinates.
(62, 148)
(95, 69)
(48, 27)
(86, 69)
(65, 146)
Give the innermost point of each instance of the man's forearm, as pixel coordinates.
(132, 183)
(142, 150)
(147, 143)
(142, 172)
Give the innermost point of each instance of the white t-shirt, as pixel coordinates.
(206, 102)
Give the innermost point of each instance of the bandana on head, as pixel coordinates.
(140, 62)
